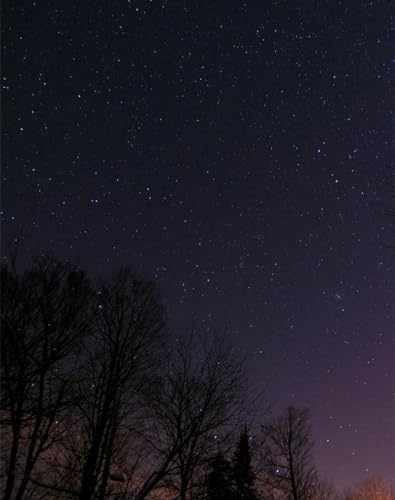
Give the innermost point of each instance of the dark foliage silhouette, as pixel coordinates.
(243, 474)
(219, 477)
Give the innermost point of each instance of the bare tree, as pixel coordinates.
(194, 408)
(128, 330)
(89, 391)
(43, 320)
(372, 489)
(324, 490)
(287, 454)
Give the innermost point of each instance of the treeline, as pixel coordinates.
(99, 400)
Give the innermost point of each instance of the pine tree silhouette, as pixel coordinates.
(219, 479)
(243, 474)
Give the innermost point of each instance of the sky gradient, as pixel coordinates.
(237, 153)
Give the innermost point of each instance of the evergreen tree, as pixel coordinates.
(219, 479)
(243, 474)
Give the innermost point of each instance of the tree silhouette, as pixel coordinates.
(219, 479)
(193, 409)
(288, 454)
(324, 490)
(43, 322)
(124, 333)
(128, 334)
(243, 473)
(374, 488)
(97, 402)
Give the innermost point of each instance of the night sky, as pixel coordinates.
(236, 152)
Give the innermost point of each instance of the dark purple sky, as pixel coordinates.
(236, 152)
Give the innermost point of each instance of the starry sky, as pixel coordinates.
(237, 153)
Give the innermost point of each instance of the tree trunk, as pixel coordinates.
(110, 443)
(12, 464)
(88, 475)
